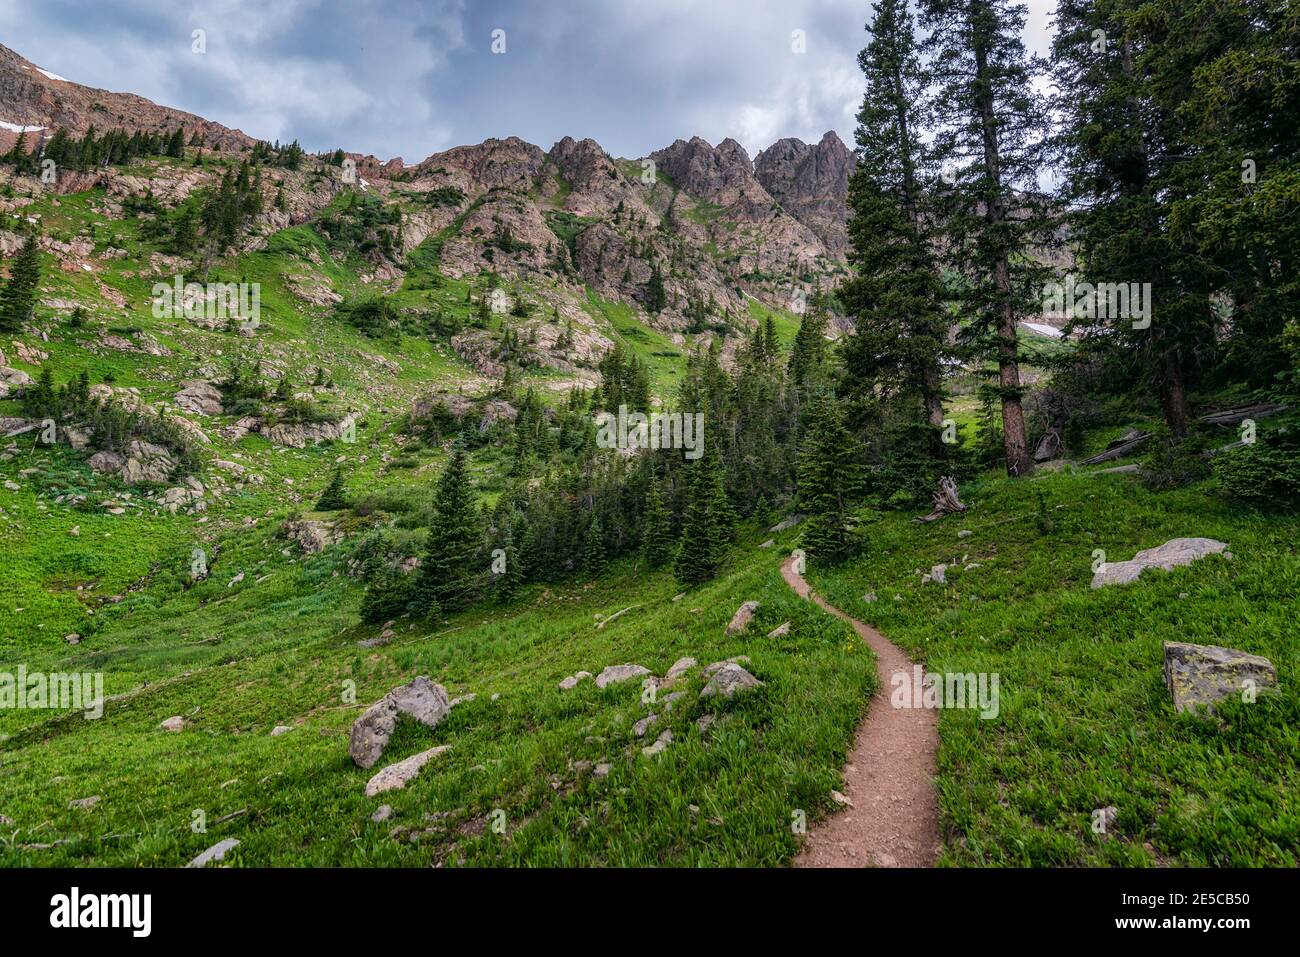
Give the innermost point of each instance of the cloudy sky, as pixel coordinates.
(411, 77)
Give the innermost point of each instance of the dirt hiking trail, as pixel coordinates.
(893, 820)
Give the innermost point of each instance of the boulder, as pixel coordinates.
(572, 681)
(397, 776)
(741, 619)
(173, 724)
(728, 680)
(678, 670)
(1176, 552)
(615, 674)
(780, 631)
(422, 700)
(718, 665)
(1199, 675)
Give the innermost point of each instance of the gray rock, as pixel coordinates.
(174, 724)
(770, 543)
(641, 727)
(965, 533)
(572, 681)
(785, 523)
(1176, 552)
(741, 619)
(660, 744)
(280, 729)
(85, 803)
(382, 813)
(601, 769)
(780, 631)
(313, 536)
(1199, 675)
(423, 700)
(397, 776)
(678, 670)
(215, 853)
(728, 680)
(718, 665)
(615, 674)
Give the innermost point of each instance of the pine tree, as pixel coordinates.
(18, 298)
(828, 480)
(658, 539)
(706, 526)
(335, 496)
(447, 573)
(655, 296)
(989, 137)
(593, 557)
(896, 297)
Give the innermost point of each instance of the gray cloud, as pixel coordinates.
(409, 77)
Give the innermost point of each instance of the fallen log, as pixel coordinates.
(1231, 417)
(1120, 448)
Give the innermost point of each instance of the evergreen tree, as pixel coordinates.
(655, 296)
(335, 496)
(895, 297)
(447, 573)
(18, 297)
(658, 523)
(593, 558)
(989, 135)
(706, 526)
(828, 479)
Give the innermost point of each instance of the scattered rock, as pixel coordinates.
(770, 543)
(423, 700)
(717, 665)
(313, 536)
(728, 680)
(641, 727)
(616, 674)
(73, 639)
(601, 769)
(965, 533)
(660, 744)
(382, 813)
(572, 681)
(215, 853)
(741, 619)
(280, 729)
(785, 523)
(397, 776)
(85, 803)
(678, 670)
(841, 799)
(780, 631)
(173, 724)
(1200, 675)
(1176, 552)
(938, 575)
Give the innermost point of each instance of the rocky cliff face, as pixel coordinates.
(812, 184)
(32, 97)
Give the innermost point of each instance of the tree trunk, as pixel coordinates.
(1014, 440)
(1173, 396)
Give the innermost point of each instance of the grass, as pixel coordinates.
(1085, 720)
(721, 797)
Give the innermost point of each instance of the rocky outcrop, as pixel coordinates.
(200, 397)
(140, 462)
(1170, 555)
(812, 184)
(302, 434)
(312, 536)
(1197, 676)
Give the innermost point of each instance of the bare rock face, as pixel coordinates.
(422, 700)
(812, 184)
(1199, 675)
(724, 175)
(313, 536)
(729, 680)
(1170, 555)
(615, 674)
(397, 776)
(741, 619)
(142, 462)
(200, 397)
(301, 435)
